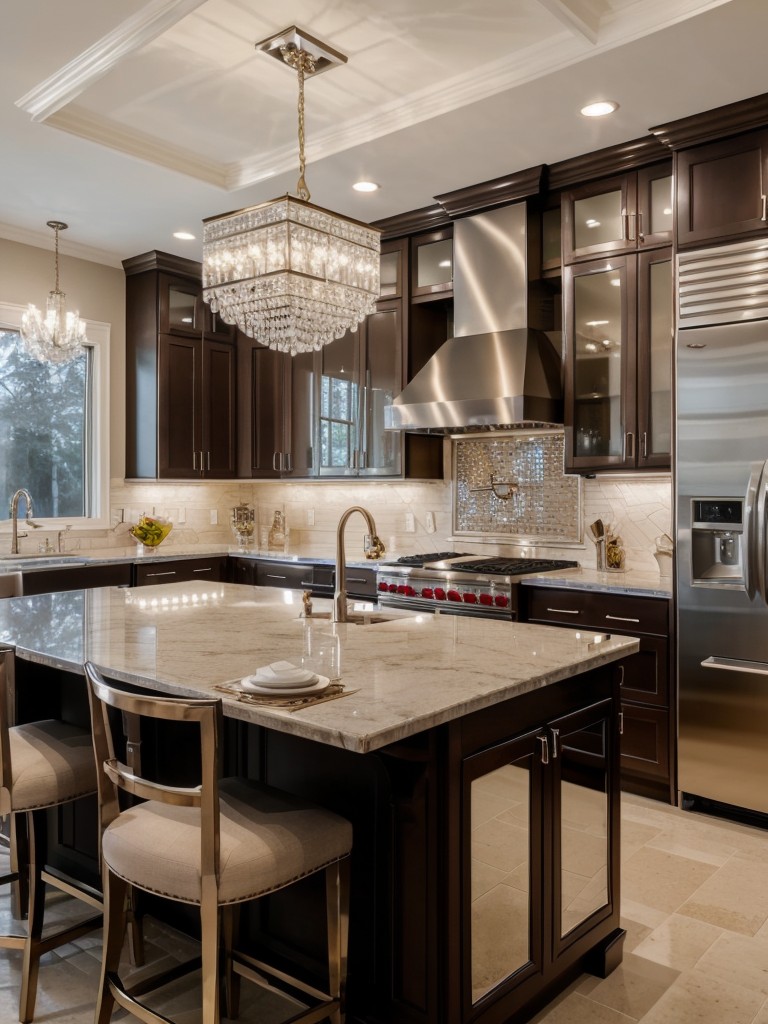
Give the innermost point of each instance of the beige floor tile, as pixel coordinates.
(734, 897)
(636, 933)
(662, 880)
(578, 1009)
(738, 959)
(633, 988)
(678, 942)
(696, 998)
(635, 834)
(642, 913)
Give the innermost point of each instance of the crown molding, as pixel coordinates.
(731, 119)
(602, 163)
(45, 240)
(158, 260)
(497, 192)
(413, 222)
(130, 35)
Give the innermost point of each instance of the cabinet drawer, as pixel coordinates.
(242, 570)
(278, 574)
(47, 581)
(180, 571)
(645, 741)
(579, 608)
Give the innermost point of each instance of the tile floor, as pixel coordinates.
(695, 906)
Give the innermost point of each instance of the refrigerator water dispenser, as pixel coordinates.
(717, 542)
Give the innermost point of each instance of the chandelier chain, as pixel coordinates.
(304, 63)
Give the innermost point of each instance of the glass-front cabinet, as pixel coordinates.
(618, 362)
(618, 215)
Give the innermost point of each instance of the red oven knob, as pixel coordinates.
(470, 598)
(501, 600)
(427, 592)
(393, 588)
(402, 589)
(439, 593)
(486, 599)
(384, 587)
(454, 595)
(410, 592)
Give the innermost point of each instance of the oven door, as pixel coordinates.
(423, 604)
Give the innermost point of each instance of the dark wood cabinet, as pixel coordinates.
(180, 375)
(618, 362)
(615, 215)
(648, 695)
(77, 577)
(212, 569)
(319, 578)
(431, 264)
(721, 190)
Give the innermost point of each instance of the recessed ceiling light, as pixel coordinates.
(185, 236)
(365, 186)
(600, 108)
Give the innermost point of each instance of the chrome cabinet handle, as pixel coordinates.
(356, 579)
(565, 611)
(763, 200)
(644, 444)
(288, 464)
(640, 234)
(621, 723)
(276, 458)
(544, 749)
(624, 226)
(555, 741)
(194, 460)
(169, 573)
(274, 576)
(208, 569)
(629, 445)
(208, 459)
(621, 618)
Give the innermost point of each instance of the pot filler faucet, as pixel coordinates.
(14, 513)
(372, 547)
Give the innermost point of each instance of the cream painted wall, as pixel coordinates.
(98, 292)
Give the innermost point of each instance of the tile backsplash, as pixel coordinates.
(638, 506)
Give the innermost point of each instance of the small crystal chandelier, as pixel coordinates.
(290, 274)
(59, 336)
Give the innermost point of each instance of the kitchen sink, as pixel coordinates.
(367, 617)
(42, 559)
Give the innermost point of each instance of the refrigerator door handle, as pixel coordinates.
(757, 495)
(759, 668)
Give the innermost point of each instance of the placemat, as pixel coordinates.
(294, 703)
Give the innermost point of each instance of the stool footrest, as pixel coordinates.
(80, 890)
(154, 981)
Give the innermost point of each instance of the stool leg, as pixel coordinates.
(230, 923)
(36, 832)
(209, 941)
(337, 908)
(135, 930)
(19, 849)
(115, 891)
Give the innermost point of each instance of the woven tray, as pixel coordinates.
(293, 703)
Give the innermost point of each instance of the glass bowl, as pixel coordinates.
(150, 531)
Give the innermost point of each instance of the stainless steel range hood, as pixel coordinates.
(496, 371)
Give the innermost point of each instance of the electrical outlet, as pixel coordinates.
(182, 516)
(118, 516)
(410, 522)
(310, 517)
(214, 517)
(429, 522)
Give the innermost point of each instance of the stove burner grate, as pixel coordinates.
(513, 566)
(433, 556)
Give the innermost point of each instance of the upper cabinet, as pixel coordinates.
(180, 374)
(432, 265)
(618, 215)
(721, 190)
(618, 362)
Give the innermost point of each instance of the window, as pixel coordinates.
(338, 421)
(53, 428)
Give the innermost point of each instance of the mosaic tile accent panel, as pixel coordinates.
(543, 504)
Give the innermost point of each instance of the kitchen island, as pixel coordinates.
(476, 759)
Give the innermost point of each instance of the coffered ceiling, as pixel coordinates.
(132, 119)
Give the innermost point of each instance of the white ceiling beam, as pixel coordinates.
(581, 17)
(130, 35)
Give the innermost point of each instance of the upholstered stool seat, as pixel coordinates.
(267, 840)
(216, 844)
(52, 764)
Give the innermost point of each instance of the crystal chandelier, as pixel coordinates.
(58, 336)
(290, 274)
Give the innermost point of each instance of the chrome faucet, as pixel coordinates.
(373, 549)
(14, 512)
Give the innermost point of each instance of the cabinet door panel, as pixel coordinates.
(721, 189)
(382, 381)
(655, 206)
(645, 741)
(218, 409)
(179, 434)
(260, 409)
(655, 355)
(503, 858)
(340, 406)
(600, 304)
(300, 415)
(600, 218)
(180, 308)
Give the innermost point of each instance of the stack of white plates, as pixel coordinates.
(283, 679)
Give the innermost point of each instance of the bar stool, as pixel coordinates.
(42, 765)
(215, 845)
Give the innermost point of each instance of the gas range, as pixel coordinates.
(462, 584)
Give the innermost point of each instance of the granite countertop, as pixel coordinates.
(410, 674)
(633, 581)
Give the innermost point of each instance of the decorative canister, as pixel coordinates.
(243, 524)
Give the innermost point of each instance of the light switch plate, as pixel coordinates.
(410, 522)
(214, 517)
(429, 522)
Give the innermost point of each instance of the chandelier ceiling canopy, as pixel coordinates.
(58, 336)
(290, 274)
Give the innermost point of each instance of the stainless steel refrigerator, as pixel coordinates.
(721, 510)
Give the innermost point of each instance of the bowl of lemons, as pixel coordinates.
(151, 530)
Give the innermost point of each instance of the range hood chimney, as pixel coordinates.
(496, 371)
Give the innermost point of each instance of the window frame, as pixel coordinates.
(97, 473)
